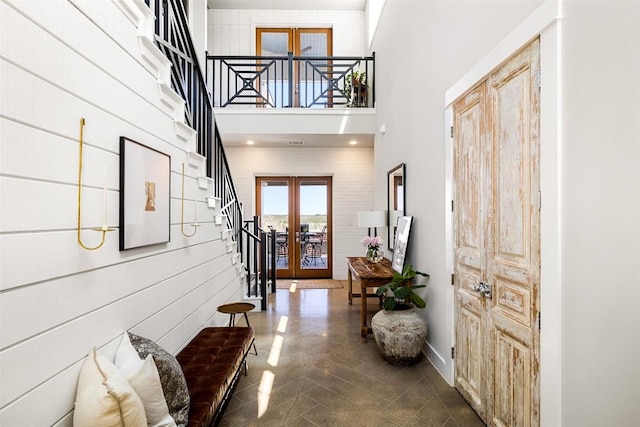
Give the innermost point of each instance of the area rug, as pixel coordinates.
(311, 284)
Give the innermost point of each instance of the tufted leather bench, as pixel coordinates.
(212, 363)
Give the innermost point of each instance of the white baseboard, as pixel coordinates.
(438, 362)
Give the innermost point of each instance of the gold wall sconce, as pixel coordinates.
(105, 227)
(195, 224)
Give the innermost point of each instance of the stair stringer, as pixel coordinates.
(159, 66)
(154, 60)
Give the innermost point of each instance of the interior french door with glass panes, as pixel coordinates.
(308, 81)
(299, 210)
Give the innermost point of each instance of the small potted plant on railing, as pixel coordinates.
(355, 89)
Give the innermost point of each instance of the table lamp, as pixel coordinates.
(372, 219)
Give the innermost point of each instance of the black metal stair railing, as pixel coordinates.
(256, 247)
(174, 40)
(259, 247)
(291, 81)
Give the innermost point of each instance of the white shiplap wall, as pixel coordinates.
(232, 32)
(351, 169)
(60, 61)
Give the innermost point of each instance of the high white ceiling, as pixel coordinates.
(288, 4)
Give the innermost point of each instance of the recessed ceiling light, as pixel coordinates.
(353, 142)
(250, 142)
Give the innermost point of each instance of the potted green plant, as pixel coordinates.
(399, 292)
(355, 88)
(399, 331)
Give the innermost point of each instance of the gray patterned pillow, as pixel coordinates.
(174, 385)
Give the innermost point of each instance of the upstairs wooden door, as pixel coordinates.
(497, 243)
(302, 42)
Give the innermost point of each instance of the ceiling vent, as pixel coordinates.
(296, 142)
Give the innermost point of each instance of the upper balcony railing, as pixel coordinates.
(291, 81)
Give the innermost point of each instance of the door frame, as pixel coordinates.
(293, 41)
(293, 45)
(294, 251)
(544, 22)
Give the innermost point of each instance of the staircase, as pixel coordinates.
(168, 52)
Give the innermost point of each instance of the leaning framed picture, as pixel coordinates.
(403, 231)
(144, 195)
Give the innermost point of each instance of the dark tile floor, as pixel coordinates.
(313, 370)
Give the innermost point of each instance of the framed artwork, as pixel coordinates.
(144, 195)
(403, 230)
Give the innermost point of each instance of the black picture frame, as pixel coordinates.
(396, 184)
(145, 192)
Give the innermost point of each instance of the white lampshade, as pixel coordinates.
(372, 219)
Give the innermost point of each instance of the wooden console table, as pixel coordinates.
(371, 275)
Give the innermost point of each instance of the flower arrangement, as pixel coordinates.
(373, 244)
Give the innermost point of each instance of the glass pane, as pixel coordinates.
(274, 81)
(313, 44)
(274, 44)
(313, 83)
(275, 215)
(313, 224)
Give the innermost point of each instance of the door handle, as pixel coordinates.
(483, 288)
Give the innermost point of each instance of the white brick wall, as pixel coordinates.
(232, 32)
(352, 172)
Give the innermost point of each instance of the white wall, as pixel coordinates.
(433, 43)
(373, 12)
(232, 32)
(591, 193)
(545, 23)
(600, 206)
(197, 15)
(351, 170)
(60, 61)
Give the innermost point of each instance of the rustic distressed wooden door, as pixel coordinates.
(497, 243)
(470, 224)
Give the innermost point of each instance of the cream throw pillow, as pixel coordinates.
(104, 397)
(174, 383)
(144, 378)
